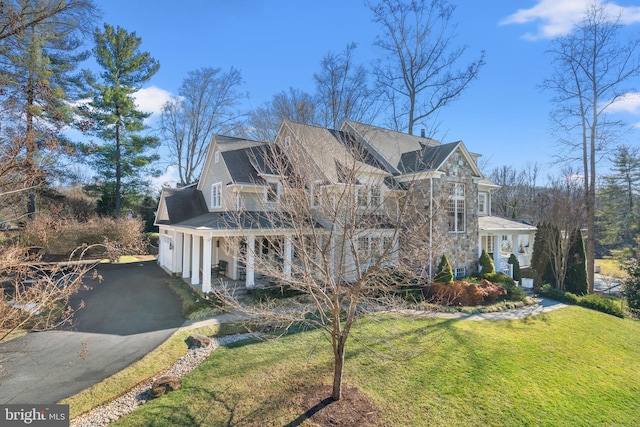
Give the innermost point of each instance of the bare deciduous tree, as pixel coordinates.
(592, 70)
(419, 75)
(332, 231)
(342, 90)
(562, 203)
(295, 105)
(205, 105)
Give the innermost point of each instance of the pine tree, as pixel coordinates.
(125, 69)
(39, 82)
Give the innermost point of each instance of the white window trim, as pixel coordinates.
(278, 191)
(485, 197)
(455, 197)
(367, 197)
(216, 197)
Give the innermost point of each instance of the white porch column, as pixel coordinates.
(186, 256)
(515, 244)
(206, 265)
(251, 248)
(195, 260)
(177, 252)
(287, 257)
(497, 243)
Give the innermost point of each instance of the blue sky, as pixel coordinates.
(277, 44)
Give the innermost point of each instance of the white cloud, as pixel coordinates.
(557, 17)
(168, 179)
(151, 99)
(628, 103)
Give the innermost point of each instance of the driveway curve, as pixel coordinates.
(127, 315)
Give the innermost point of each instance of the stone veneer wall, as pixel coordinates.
(461, 248)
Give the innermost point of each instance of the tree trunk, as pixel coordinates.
(118, 172)
(338, 367)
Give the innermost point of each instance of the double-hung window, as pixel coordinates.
(216, 195)
(456, 211)
(368, 197)
(482, 203)
(273, 191)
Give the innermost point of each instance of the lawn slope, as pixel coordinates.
(565, 368)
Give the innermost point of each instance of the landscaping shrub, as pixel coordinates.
(513, 260)
(464, 293)
(591, 301)
(274, 291)
(513, 292)
(486, 264)
(444, 271)
(631, 284)
(600, 303)
(499, 279)
(60, 237)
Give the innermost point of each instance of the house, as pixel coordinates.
(225, 223)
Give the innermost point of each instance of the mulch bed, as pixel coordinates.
(354, 409)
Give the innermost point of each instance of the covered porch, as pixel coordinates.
(204, 258)
(501, 237)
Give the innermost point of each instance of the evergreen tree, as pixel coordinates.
(618, 211)
(513, 260)
(444, 272)
(575, 280)
(486, 264)
(39, 82)
(541, 262)
(123, 157)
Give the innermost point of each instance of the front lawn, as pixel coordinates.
(568, 367)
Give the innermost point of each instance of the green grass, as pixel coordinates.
(147, 367)
(610, 267)
(565, 368)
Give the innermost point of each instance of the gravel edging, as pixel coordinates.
(110, 412)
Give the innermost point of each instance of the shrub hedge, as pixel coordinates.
(591, 301)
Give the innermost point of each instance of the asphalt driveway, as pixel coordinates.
(126, 316)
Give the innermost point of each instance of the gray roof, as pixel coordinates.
(241, 221)
(495, 223)
(429, 158)
(241, 167)
(183, 203)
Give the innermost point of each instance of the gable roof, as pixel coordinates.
(182, 204)
(386, 145)
(429, 158)
(231, 150)
(332, 152)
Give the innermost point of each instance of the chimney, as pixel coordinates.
(422, 135)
